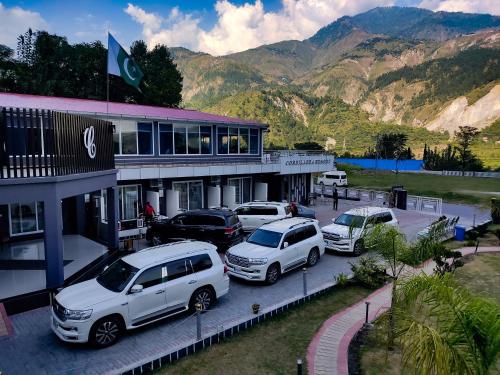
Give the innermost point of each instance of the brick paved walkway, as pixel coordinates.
(327, 353)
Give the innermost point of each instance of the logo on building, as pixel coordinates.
(88, 141)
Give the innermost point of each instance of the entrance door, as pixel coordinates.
(69, 216)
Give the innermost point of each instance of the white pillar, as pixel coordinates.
(213, 198)
(229, 196)
(172, 203)
(260, 191)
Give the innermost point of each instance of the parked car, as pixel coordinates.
(333, 178)
(303, 211)
(138, 289)
(276, 248)
(218, 226)
(254, 214)
(347, 231)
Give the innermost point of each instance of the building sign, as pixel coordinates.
(88, 141)
(300, 163)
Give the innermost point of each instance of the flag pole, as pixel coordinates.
(107, 81)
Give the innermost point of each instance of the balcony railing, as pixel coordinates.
(38, 143)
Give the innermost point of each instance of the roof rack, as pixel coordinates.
(303, 222)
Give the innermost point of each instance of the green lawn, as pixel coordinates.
(452, 189)
(273, 346)
(480, 274)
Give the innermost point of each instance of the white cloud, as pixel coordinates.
(240, 27)
(16, 21)
(467, 6)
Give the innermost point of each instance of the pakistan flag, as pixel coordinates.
(121, 64)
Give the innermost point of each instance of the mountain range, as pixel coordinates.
(409, 69)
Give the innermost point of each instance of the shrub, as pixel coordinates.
(341, 279)
(368, 272)
(495, 211)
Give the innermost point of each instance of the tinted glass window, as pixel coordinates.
(166, 139)
(218, 221)
(201, 262)
(268, 211)
(232, 220)
(222, 140)
(385, 217)
(179, 220)
(310, 231)
(150, 277)
(265, 238)
(254, 141)
(176, 269)
(291, 237)
(117, 276)
(350, 220)
(206, 139)
(145, 138)
(246, 211)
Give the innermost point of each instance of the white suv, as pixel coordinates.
(347, 231)
(254, 214)
(139, 289)
(276, 248)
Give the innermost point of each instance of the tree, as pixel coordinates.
(444, 329)
(390, 245)
(391, 145)
(8, 72)
(465, 136)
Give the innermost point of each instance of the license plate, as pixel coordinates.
(237, 269)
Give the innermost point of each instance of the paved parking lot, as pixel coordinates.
(34, 349)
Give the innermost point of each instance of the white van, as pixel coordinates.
(333, 178)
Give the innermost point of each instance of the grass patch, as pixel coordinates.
(273, 346)
(468, 190)
(480, 274)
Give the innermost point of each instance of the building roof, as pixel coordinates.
(87, 106)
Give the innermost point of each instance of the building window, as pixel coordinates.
(129, 201)
(145, 138)
(166, 140)
(243, 189)
(133, 138)
(222, 140)
(26, 218)
(187, 139)
(190, 194)
(232, 140)
(104, 206)
(254, 141)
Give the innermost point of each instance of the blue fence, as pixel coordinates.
(385, 164)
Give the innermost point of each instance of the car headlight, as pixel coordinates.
(257, 261)
(77, 314)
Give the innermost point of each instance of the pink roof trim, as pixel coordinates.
(120, 109)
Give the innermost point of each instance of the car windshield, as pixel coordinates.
(350, 220)
(117, 276)
(265, 238)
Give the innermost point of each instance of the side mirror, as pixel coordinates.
(137, 288)
(285, 245)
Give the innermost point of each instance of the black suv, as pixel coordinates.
(217, 226)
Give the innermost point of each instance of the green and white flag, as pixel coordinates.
(122, 65)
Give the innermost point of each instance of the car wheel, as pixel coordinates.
(358, 248)
(273, 273)
(106, 332)
(313, 257)
(204, 296)
(156, 240)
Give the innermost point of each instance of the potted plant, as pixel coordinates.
(255, 308)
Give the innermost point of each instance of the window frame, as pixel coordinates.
(188, 182)
(38, 230)
(186, 133)
(118, 130)
(240, 182)
(249, 145)
(121, 201)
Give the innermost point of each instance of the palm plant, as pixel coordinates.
(444, 329)
(390, 244)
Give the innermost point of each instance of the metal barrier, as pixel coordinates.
(413, 202)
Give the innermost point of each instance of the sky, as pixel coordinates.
(218, 27)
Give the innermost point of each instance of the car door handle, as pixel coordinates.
(192, 282)
(160, 292)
